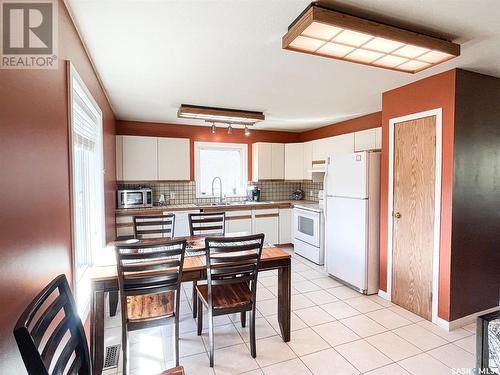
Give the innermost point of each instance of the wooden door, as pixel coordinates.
(413, 215)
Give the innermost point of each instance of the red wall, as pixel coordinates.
(434, 92)
(372, 120)
(35, 241)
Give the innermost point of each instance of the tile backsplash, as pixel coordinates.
(185, 192)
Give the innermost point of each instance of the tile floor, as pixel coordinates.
(335, 330)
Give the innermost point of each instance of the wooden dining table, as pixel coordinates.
(104, 279)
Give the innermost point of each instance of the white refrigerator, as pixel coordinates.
(352, 219)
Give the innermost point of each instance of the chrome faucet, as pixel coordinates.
(220, 191)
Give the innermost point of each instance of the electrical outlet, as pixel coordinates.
(172, 195)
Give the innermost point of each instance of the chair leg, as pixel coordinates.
(252, 334)
(195, 299)
(243, 318)
(200, 317)
(210, 337)
(176, 341)
(125, 352)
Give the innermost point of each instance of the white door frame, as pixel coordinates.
(437, 206)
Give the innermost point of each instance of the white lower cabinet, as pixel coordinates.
(285, 219)
(239, 221)
(267, 221)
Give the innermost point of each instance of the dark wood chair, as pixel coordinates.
(154, 226)
(232, 269)
(149, 277)
(205, 223)
(50, 334)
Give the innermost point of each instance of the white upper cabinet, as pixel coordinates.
(378, 138)
(278, 161)
(268, 161)
(294, 161)
(339, 144)
(307, 160)
(365, 140)
(173, 159)
(119, 157)
(140, 156)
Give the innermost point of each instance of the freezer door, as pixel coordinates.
(347, 175)
(347, 240)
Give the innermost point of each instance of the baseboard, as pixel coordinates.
(384, 295)
(466, 320)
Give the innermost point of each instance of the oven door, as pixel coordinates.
(306, 226)
(131, 199)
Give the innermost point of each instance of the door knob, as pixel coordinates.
(397, 215)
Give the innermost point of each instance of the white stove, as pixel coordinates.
(308, 224)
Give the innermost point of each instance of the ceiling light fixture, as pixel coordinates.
(229, 129)
(247, 131)
(212, 114)
(214, 128)
(325, 32)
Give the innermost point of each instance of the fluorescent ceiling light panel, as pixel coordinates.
(328, 33)
(334, 49)
(321, 31)
(306, 44)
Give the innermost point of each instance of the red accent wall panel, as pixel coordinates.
(433, 92)
(35, 241)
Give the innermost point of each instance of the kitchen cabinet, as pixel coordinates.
(173, 159)
(365, 140)
(337, 145)
(294, 161)
(285, 225)
(268, 161)
(378, 138)
(267, 221)
(140, 158)
(278, 161)
(307, 158)
(239, 221)
(119, 157)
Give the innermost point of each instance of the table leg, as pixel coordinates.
(97, 331)
(284, 300)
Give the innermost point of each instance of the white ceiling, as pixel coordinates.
(154, 55)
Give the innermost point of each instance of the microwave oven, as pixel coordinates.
(137, 198)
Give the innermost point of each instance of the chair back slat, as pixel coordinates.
(57, 335)
(154, 226)
(147, 269)
(232, 260)
(207, 223)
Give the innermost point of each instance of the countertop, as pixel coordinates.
(225, 207)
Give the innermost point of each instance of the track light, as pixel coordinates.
(247, 131)
(229, 129)
(214, 128)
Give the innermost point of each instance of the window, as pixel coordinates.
(225, 160)
(87, 186)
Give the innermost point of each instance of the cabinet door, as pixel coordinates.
(340, 144)
(277, 161)
(285, 222)
(140, 158)
(173, 159)
(319, 149)
(364, 140)
(294, 161)
(267, 221)
(378, 138)
(119, 158)
(261, 161)
(307, 160)
(239, 222)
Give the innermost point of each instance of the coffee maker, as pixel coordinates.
(253, 193)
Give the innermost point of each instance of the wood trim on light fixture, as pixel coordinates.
(319, 14)
(219, 115)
